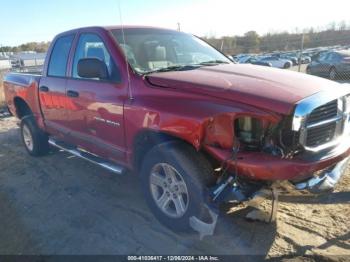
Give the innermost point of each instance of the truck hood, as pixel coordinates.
(271, 89)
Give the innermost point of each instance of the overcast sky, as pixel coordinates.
(23, 21)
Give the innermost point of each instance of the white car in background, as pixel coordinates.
(276, 62)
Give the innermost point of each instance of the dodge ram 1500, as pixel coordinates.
(197, 128)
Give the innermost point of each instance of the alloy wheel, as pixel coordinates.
(169, 190)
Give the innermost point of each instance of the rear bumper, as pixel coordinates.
(263, 166)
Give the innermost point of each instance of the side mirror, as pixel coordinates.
(92, 68)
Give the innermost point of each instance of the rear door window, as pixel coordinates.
(59, 56)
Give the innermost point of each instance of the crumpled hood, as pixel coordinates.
(274, 90)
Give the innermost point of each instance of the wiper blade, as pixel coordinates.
(213, 62)
(174, 68)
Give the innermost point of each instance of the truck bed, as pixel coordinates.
(22, 86)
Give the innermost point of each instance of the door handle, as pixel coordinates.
(44, 89)
(71, 93)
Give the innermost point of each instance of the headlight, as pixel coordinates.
(249, 131)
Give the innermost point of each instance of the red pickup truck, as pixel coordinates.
(197, 128)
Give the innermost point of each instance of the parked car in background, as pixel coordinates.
(331, 64)
(276, 62)
(255, 61)
(232, 58)
(243, 59)
(290, 57)
(304, 59)
(239, 57)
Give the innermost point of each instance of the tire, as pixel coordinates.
(308, 70)
(332, 74)
(287, 65)
(34, 140)
(187, 167)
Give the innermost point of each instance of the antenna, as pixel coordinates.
(125, 55)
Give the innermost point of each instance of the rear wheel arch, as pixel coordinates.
(22, 108)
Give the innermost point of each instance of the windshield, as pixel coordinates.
(150, 50)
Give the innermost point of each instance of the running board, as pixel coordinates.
(87, 156)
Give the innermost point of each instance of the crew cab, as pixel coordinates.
(195, 127)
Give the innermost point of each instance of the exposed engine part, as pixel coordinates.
(273, 150)
(256, 135)
(249, 131)
(203, 228)
(228, 191)
(287, 139)
(228, 188)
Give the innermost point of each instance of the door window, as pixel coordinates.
(92, 46)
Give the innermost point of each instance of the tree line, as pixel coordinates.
(252, 42)
(39, 47)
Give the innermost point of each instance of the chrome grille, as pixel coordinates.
(321, 124)
(323, 112)
(321, 134)
(322, 119)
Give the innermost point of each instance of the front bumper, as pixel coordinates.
(263, 166)
(325, 181)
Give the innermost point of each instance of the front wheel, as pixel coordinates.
(35, 141)
(175, 179)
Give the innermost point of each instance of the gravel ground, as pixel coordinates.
(59, 204)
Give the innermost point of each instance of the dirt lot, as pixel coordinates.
(62, 205)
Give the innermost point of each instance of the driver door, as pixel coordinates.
(95, 106)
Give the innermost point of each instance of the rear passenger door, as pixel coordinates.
(52, 87)
(95, 106)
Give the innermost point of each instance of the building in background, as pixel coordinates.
(5, 63)
(27, 59)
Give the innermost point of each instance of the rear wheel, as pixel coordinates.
(175, 179)
(35, 141)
